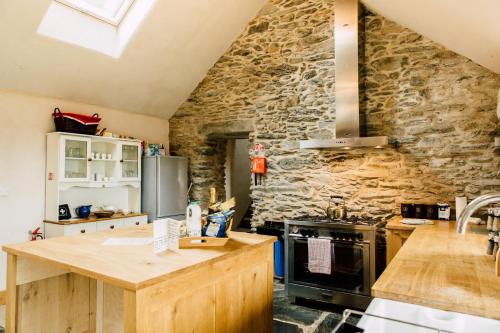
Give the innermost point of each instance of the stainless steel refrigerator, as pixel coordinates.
(164, 187)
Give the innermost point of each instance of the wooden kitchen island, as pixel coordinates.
(76, 284)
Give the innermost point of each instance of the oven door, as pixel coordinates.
(350, 266)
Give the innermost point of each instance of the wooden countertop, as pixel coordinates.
(92, 218)
(439, 268)
(130, 267)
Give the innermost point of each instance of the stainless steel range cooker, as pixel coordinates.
(358, 258)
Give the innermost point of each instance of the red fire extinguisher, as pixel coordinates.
(36, 234)
(259, 164)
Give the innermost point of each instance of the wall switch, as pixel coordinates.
(4, 191)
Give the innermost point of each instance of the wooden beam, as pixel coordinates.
(11, 300)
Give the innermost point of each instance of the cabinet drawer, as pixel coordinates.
(81, 228)
(135, 221)
(110, 225)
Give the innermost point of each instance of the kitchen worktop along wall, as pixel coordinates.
(277, 82)
(25, 121)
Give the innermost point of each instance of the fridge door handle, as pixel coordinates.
(158, 190)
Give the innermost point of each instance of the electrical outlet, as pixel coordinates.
(4, 191)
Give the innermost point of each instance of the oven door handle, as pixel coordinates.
(304, 238)
(335, 242)
(326, 295)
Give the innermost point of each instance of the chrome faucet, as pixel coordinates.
(472, 207)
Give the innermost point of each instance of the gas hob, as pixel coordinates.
(351, 222)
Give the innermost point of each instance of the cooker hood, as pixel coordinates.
(347, 133)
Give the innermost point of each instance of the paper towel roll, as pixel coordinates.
(460, 203)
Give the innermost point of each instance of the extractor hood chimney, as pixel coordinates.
(346, 84)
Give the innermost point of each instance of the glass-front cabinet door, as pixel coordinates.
(130, 161)
(75, 162)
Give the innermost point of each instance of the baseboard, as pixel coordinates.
(2, 297)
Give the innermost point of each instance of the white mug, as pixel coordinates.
(109, 156)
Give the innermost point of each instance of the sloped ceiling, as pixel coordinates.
(169, 55)
(469, 28)
(180, 40)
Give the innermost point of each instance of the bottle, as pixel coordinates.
(193, 219)
(212, 206)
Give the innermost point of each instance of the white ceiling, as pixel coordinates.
(169, 55)
(180, 40)
(470, 28)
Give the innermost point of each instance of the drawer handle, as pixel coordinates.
(137, 223)
(82, 231)
(326, 295)
(111, 227)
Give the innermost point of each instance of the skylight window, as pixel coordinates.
(105, 26)
(110, 11)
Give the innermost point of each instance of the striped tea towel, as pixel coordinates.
(319, 255)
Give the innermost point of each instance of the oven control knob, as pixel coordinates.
(305, 232)
(316, 234)
(359, 236)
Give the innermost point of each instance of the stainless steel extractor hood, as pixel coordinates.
(346, 84)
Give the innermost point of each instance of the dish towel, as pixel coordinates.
(319, 255)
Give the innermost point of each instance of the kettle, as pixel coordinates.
(336, 209)
(330, 210)
(340, 208)
(83, 211)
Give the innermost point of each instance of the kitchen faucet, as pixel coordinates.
(472, 207)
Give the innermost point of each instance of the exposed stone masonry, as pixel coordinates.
(278, 78)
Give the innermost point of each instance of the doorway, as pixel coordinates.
(238, 180)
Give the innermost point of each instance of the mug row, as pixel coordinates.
(101, 156)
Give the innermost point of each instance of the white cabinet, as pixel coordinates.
(135, 221)
(130, 161)
(92, 170)
(59, 229)
(109, 224)
(74, 163)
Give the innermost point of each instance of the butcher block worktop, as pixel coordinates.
(439, 268)
(93, 218)
(130, 267)
(128, 288)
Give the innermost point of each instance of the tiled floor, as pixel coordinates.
(292, 318)
(288, 317)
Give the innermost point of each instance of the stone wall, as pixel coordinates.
(276, 83)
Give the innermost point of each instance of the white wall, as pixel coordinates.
(24, 121)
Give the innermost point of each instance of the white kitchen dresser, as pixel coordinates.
(88, 170)
(83, 226)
